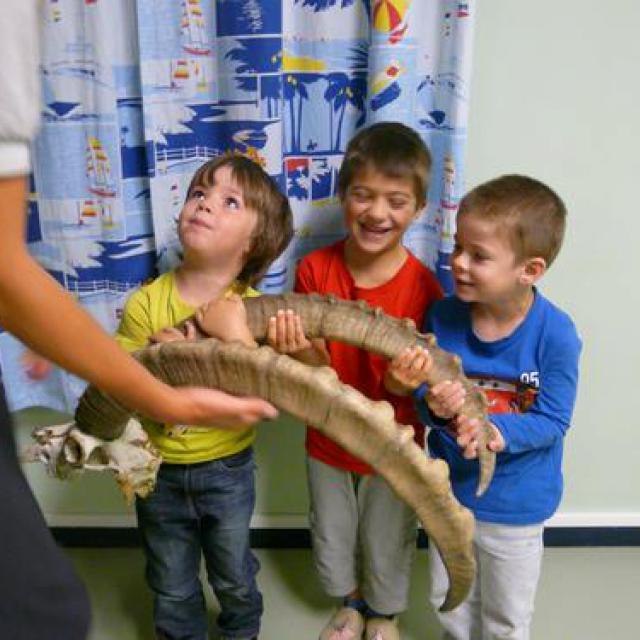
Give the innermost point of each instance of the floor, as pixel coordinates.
(584, 594)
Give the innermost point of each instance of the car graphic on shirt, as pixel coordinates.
(505, 396)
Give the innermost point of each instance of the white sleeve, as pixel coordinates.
(20, 84)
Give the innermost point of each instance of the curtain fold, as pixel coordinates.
(137, 95)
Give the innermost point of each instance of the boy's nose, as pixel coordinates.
(377, 210)
(202, 204)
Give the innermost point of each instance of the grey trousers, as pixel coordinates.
(500, 604)
(363, 537)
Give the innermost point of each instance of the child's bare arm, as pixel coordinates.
(285, 334)
(43, 316)
(408, 371)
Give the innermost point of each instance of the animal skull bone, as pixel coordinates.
(65, 450)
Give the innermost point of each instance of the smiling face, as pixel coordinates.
(377, 210)
(215, 224)
(485, 267)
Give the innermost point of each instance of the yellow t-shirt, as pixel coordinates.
(148, 310)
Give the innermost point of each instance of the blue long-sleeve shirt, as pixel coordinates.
(530, 378)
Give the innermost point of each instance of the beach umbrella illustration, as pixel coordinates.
(389, 17)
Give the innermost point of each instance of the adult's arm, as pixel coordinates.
(32, 305)
(41, 314)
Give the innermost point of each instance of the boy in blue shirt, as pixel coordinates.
(523, 352)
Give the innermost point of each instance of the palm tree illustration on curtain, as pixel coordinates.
(262, 62)
(270, 84)
(295, 85)
(343, 90)
(270, 90)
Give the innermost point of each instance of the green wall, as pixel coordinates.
(555, 94)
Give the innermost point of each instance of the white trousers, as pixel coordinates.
(500, 603)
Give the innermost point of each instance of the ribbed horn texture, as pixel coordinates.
(358, 324)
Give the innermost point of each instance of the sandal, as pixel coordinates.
(346, 624)
(382, 629)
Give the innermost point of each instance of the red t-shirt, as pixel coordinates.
(407, 295)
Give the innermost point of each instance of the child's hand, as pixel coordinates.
(226, 319)
(172, 334)
(408, 370)
(446, 398)
(35, 366)
(467, 431)
(285, 333)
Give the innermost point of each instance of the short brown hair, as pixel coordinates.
(394, 150)
(533, 214)
(274, 227)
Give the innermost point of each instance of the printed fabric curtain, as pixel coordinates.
(137, 95)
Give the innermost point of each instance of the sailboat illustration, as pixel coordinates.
(99, 169)
(87, 210)
(180, 71)
(187, 73)
(192, 27)
(90, 210)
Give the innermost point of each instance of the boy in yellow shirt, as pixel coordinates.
(233, 224)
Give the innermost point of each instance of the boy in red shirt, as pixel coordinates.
(363, 535)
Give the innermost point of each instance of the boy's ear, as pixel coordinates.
(533, 269)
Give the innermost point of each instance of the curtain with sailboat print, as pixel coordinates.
(136, 95)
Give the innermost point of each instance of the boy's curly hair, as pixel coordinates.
(274, 226)
(531, 213)
(392, 149)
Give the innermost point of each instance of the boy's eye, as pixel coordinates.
(232, 203)
(398, 204)
(197, 193)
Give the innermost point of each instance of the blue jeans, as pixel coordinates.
(199, 509)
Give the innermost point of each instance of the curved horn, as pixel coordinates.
(358, 324)
(315, 395)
